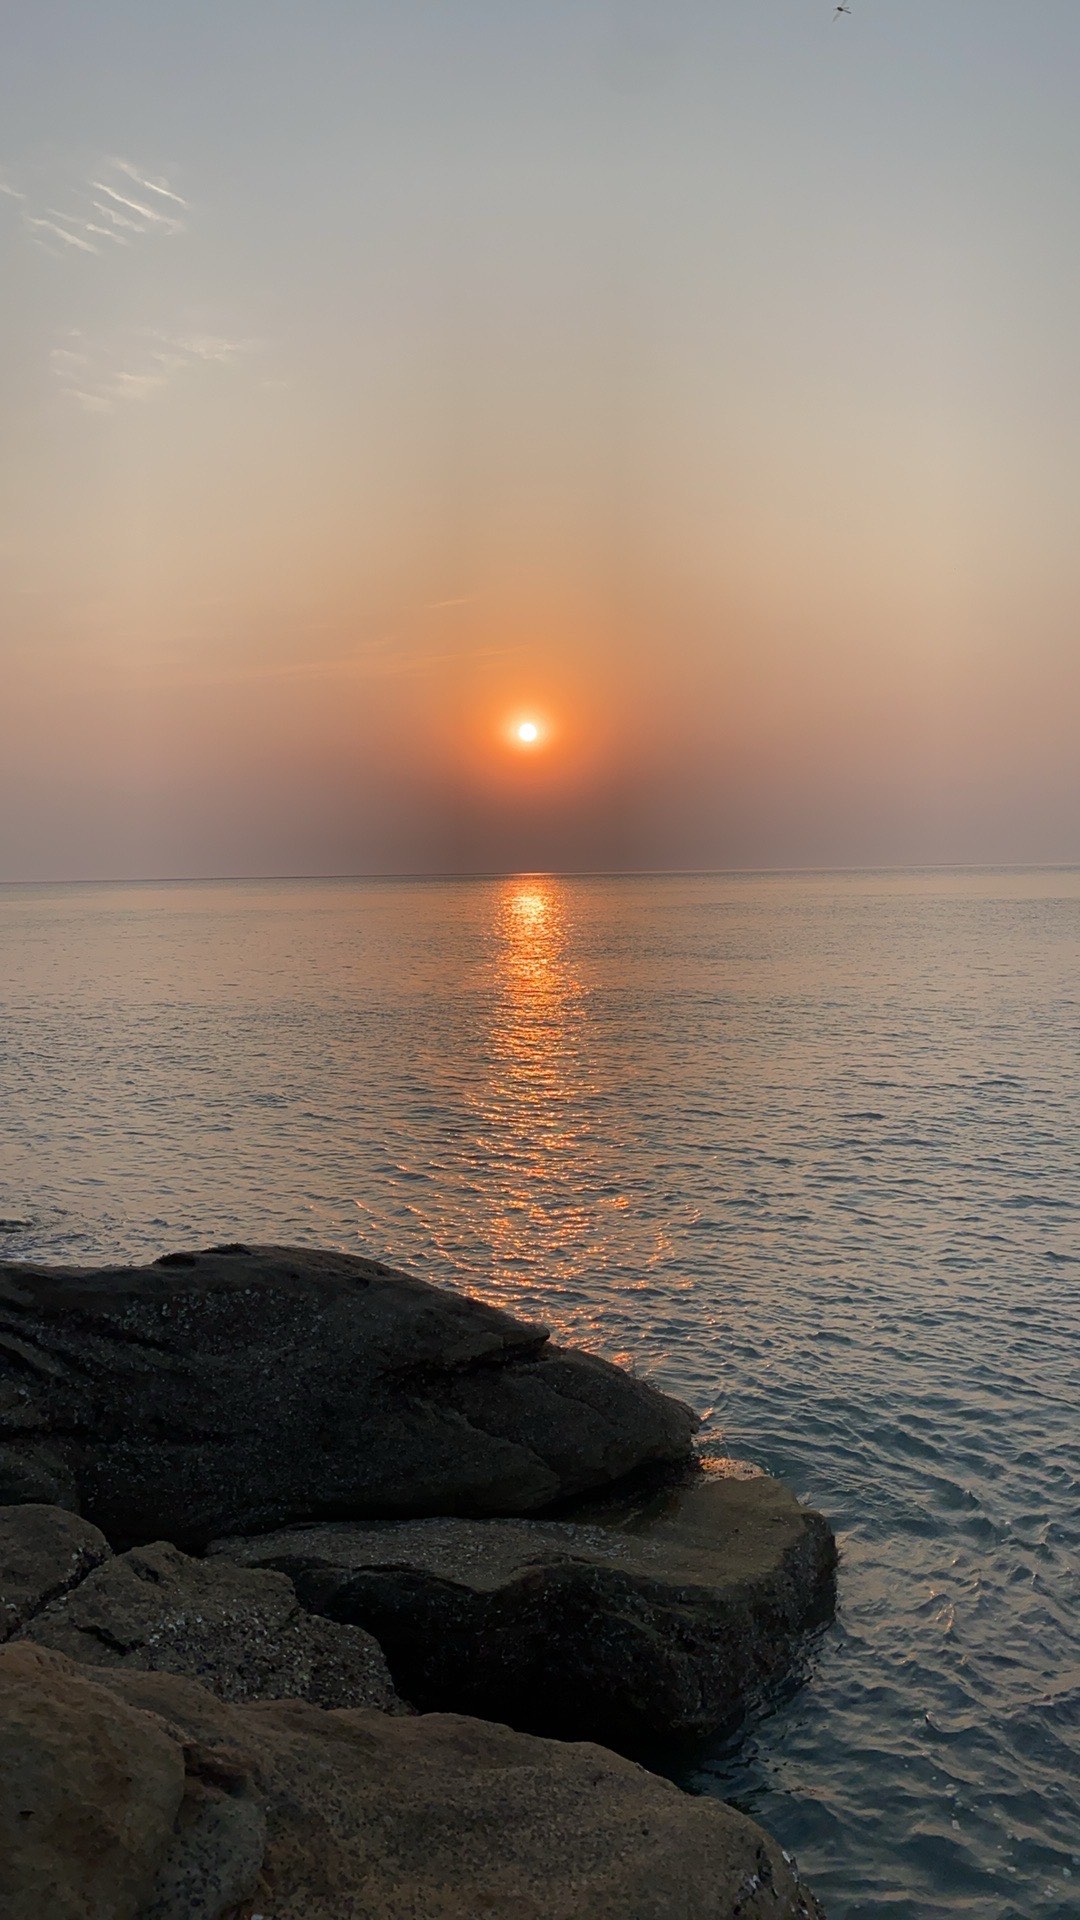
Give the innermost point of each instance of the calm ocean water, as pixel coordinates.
(804, 1149)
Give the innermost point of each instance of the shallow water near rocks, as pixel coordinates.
(805, 1149)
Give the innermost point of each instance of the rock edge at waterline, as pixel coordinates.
(523, 1526)
(663, 1626)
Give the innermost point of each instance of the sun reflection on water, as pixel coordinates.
(530, 1196)
(534, 1092)
(535, 1126)
(536, 1034)
(554, 1192)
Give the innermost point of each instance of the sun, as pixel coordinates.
(527, 732)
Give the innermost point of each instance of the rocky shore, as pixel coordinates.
(327, 1592)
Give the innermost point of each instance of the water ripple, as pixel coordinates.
(802, 1149)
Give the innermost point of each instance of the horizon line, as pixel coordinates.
(555, 873)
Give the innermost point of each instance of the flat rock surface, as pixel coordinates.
(239, 1389)
(241, 1632)
(664, 1624)
(44, 1552)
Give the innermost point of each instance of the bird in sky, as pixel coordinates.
(842, 8)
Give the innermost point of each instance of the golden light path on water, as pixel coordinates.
(554, 1192)
(532, 1103)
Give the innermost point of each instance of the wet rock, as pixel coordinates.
(242, 1633)
(240, 1389)
(662, 1623)
(44, 1552)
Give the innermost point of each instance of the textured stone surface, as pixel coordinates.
(663, 1625)
(211, 1867)
(30, 1471)
(236, 1390)
(90, 1790)
(44, 1552)
(108, 1812)
(444, 1818)
(140, 1796)
(242, 1633)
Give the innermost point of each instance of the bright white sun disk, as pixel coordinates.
(528, 732)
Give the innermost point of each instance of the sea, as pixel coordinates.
(801, 1148)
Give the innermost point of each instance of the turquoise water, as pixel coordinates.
(805, 1149)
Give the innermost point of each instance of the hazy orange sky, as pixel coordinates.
(700, 378)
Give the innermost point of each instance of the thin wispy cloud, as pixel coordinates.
(417, 664)
(151, 186)
(135, 363)
(59, 231)
(117, 205)
(145, 216)
(118, 220)
(106, 233)
(386, 658)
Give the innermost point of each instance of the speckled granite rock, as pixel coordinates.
(44, 1552)
(143, 1797)
(662, 1625)
(240, 1389)
(242, 1633)
(103, 1808)
(31, 1470)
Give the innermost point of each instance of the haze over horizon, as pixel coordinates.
(697, 380)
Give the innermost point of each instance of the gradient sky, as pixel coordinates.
(700, 377)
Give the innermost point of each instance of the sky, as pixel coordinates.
(699, 380)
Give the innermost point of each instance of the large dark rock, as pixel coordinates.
(663, 1623)
(29, 1470)
(138, 1796)
(238, 1389)
(241, 1632)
